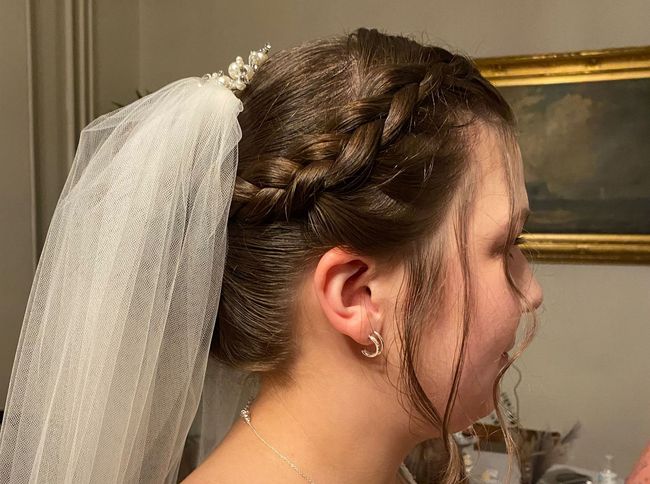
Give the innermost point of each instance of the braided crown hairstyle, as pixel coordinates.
(360, 141)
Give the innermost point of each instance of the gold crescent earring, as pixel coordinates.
(378, 341)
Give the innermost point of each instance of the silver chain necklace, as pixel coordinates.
(246, 415)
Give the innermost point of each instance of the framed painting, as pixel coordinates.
(584, 132)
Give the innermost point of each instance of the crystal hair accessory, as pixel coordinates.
(240, 74)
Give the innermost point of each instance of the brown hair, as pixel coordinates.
(361, 141)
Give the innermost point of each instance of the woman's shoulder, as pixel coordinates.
(210, 478)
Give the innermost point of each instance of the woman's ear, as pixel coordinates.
(343, 284)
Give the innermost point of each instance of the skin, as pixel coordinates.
(340, 419)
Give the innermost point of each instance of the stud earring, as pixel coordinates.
(378, 341)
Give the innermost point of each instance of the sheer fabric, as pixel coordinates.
(113, 350)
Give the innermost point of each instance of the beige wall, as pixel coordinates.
(590, 359)
(60, 59)
(16, 260)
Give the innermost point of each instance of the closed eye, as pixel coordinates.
(519, 240)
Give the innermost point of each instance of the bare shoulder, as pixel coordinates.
(224, 467)
(197, 478)
(212, 471)
(240, 457)
(228, 474)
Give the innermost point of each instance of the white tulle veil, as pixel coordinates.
(112, 371)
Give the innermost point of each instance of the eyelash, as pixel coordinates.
(517, 241)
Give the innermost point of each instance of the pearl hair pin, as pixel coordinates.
(240, 74)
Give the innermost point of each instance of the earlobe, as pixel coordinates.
(341, 282)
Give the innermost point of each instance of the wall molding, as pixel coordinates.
(61, 92)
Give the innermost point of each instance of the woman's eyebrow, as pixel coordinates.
(521, 220)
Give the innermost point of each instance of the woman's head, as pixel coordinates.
(481, 246)
(377, 188)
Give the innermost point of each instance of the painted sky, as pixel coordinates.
(588, 140)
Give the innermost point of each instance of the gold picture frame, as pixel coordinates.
(576, 67)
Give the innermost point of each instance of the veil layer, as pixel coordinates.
(113, 351)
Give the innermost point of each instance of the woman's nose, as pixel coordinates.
(528, 283)
(534, 292)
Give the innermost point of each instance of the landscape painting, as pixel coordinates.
(584, 132)
(586, 148)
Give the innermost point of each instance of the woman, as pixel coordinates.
(370, 193)
(382, 188)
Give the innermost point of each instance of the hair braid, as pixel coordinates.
(342, 160)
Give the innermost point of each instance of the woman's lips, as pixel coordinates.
(505, 354)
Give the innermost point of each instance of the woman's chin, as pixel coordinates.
(485, 409)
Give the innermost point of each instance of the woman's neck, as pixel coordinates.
(331, 434)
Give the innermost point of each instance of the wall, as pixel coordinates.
(16, 263)
(63, 62)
